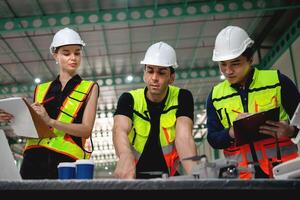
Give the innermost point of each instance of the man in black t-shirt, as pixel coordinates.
(152, 129)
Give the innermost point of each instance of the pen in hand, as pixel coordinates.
(238, 112)
(47, 100)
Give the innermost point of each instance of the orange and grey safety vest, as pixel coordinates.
(141, 127)
(264, 93)
(63, 142)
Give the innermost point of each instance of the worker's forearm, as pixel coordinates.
(121, 143)
(187, 149)
(79, 130)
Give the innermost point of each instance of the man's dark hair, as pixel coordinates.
(248, 53)
(172, 70)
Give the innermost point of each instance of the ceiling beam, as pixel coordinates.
(140, 14)
(30, 41)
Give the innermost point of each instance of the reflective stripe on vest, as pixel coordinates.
(41, 91)
(141, 126)
(170, 155)
(271, 153)
(73, 103)
(264, 93)
(63, 143)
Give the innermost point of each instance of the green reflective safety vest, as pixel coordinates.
(141, 126)
(264, 94)
(63, 142)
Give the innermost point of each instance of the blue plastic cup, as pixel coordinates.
(84, 169)
(66, 170)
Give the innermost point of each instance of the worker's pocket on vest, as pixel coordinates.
(168, 127)
(265, 101)
(168, 121)
(142, 132)
(234, 108)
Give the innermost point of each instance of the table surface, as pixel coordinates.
(152, 184)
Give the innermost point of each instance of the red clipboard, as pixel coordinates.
(246, 130)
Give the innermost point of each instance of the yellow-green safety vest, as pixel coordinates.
(141, 126)
(264, 93)
(63, 143)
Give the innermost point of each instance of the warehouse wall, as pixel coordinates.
(289, 64)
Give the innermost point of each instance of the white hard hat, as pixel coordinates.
(160, 54)
(230, 43)
(63, 37)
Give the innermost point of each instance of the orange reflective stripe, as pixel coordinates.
(256, 107)
(63, 143)
(77, 95)
(71, 107)
(62, 117)
(265, 150)
(77, 109)
(275, 100)
(68, 138)
(167, 135)
(70, 148)
(172, 161)
(83, 85)
(65, 118)
(41, 91)
(64, 104)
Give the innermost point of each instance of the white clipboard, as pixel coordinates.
(9, 169)
(26, 121)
